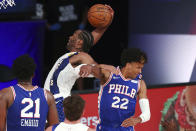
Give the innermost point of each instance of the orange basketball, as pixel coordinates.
(99, 15)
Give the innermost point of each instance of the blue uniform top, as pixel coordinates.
(117, 100)
(28, 111)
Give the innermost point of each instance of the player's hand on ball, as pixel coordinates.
(111, 11)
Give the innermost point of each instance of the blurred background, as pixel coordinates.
(41, 28)
(164, 29)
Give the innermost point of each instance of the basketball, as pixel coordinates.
(99, 15)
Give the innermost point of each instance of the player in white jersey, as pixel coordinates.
(65, 71)
(73, 109)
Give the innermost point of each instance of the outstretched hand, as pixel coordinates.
(112, 13)
(85, 70)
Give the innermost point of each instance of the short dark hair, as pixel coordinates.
(23, 67)
(73, 107)
(87, 38)
(133, 55)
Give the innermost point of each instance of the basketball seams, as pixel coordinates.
(99, 15)
(98, 18)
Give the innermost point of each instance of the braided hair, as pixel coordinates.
(88, 40)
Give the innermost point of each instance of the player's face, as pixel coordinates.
(73, 39)
(133, 69)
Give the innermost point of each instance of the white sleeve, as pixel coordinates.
(145, 109)
(77, 70)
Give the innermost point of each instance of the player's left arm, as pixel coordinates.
(144, 106)
(52, 111)
(98, 32)
(144, 102)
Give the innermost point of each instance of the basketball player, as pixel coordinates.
(25, 107)
(73, 108)
(65, 71)
(119, 90)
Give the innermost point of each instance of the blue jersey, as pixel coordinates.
(117, 100)
(28, 111)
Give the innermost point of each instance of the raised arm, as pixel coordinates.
(98, 32)
(52, 111)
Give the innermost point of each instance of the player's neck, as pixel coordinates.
(123, 72)
(71, 122)
(26, 85)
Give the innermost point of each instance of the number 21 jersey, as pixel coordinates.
(28, 111)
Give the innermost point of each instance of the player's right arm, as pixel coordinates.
(98, 32)
(81, 58)
(52, 111)
(96, 70)
(6, 100)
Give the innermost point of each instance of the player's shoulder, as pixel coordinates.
(109, 68)
(7, 94)
(6, 91)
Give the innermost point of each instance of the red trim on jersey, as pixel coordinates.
(101, 91)
(13, 91)
(45, 94)
(120, 73)
(109, 79)
(34, 88)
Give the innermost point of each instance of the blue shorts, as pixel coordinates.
(59, 106)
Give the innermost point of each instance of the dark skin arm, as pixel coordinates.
(52, 111)
(98, 32)
(6, 100)
(81, 58)
(99, 71)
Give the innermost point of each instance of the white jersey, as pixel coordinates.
(71, 127)
(62, 77)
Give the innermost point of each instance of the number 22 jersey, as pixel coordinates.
(116, 102)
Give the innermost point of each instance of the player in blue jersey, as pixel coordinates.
(25, 107)
(65, 71)
(119, 90)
